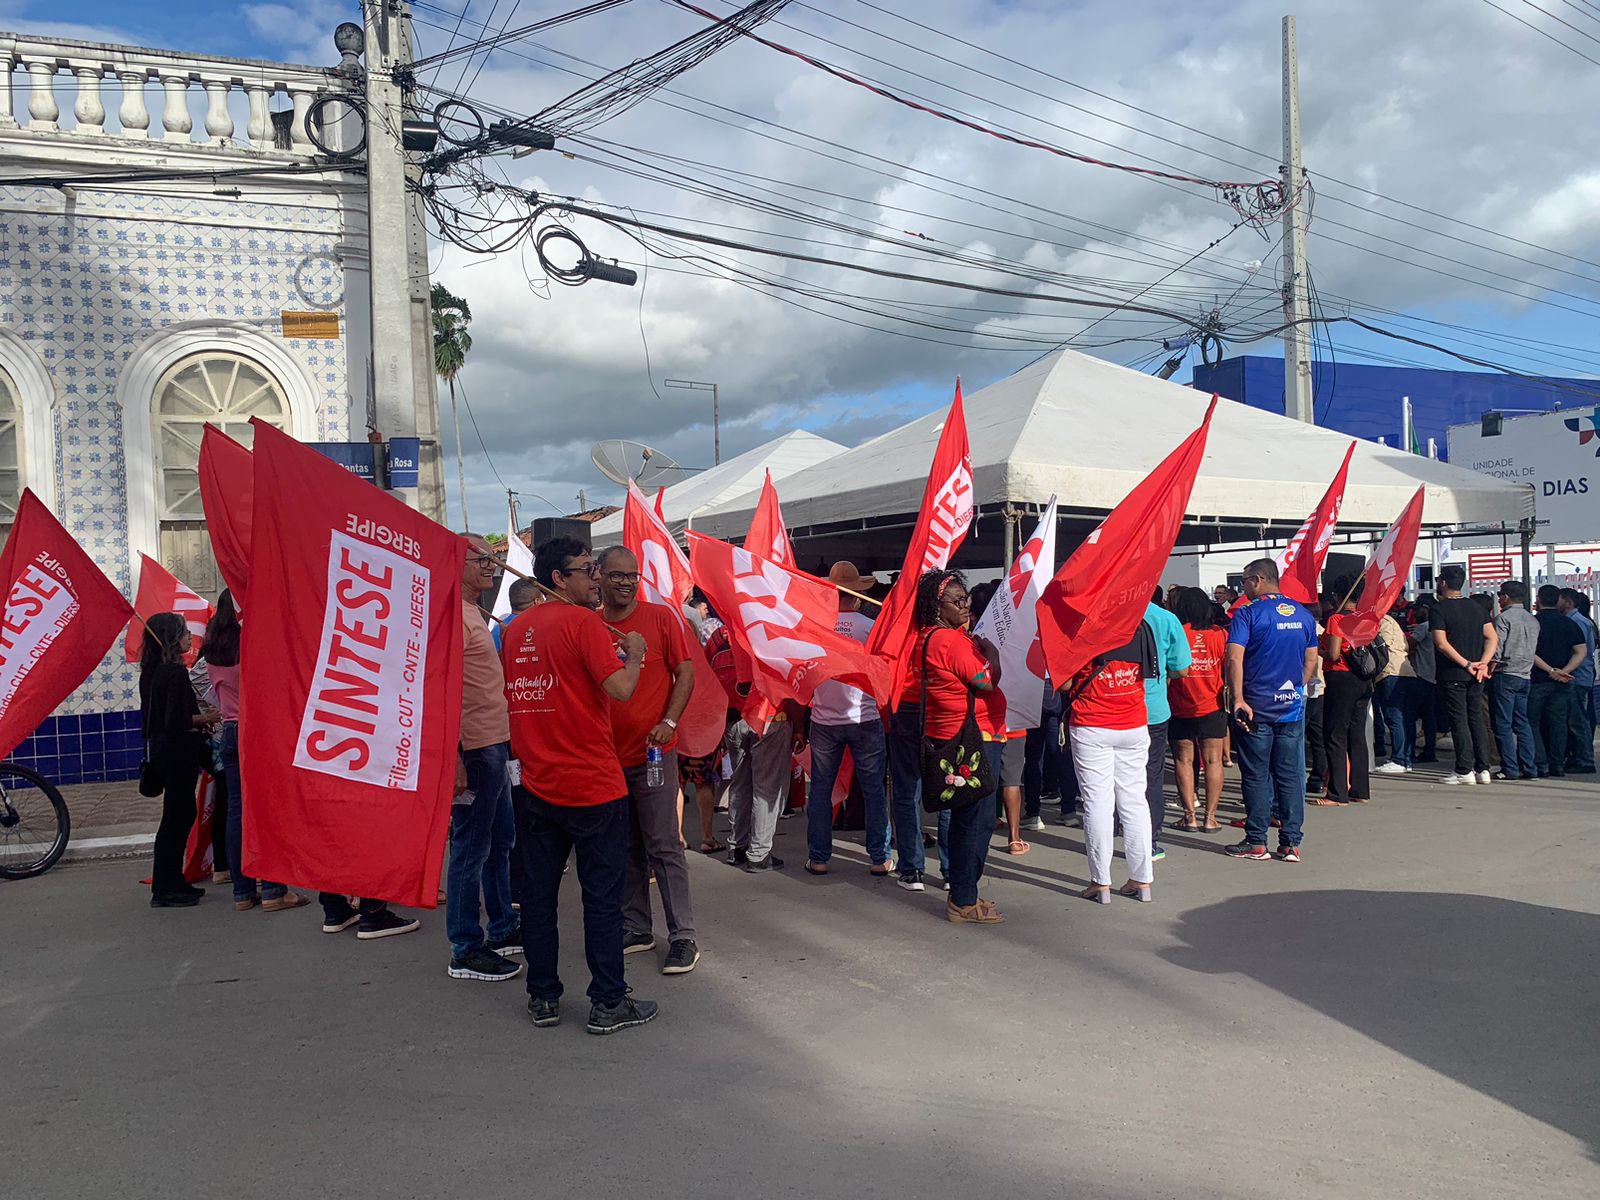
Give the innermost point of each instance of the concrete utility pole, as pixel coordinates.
(1297, 392)
(405, 392)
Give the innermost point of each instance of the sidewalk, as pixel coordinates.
(110, 820)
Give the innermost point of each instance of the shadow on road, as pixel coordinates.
(1496, 994)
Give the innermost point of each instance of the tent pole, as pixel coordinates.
(1527, 557)
(1011, 518)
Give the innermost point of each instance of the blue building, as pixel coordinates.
(1364, 400)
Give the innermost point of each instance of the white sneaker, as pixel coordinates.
(1034, 824)
(1484, 777)
(1468, 777)
(1391, 768)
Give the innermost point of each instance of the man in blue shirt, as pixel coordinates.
(1580, 715)
(1272, 653)
(1174, 658)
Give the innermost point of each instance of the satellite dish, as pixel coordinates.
(620, 461)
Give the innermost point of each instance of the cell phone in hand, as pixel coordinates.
(1243, 722)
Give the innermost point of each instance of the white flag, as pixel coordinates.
(1011, 622)
(519, 558)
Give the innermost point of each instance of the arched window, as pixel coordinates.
(12, 480)
(213, 387)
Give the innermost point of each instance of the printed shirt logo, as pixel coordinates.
(1585, 436)
(1286, 610)
(768, 617)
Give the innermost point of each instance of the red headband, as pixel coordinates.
(943, 584)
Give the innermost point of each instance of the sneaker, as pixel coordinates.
(911, 881)
(638, 943)
(510, 947)
(1033, 824)
(1391, 768)
(624, 1014)
(1483, 777)
(284, 902)
(1465, 777)
(1073, 820)
(1289, 854)
(482, 963)
(544, 1013)
(770, 863)
(682, 956)
(737, 856)
(1504, 778)
(339, 922)
(1158, 853)
(384, 924)
(1247, 851)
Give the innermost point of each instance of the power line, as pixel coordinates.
(1542, 32)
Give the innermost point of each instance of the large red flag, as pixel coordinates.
(768, 535)
(784, 621)
(942, 522)
(1385, 576)
(1097, 599)
(161, 591)
(62, 615)
(664, 579)
(1300, 564)
(352, 662)
(227, 493)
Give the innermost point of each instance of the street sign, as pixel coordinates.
(1558, 453)
(403, 456)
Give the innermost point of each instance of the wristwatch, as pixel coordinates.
(669, 722)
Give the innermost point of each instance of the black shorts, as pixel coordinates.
(1198, 729)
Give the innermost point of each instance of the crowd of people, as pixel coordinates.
(569, 728)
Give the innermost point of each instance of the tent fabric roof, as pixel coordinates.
(1087, 430)
(730, 480)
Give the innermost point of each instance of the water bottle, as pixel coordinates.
(653, 775)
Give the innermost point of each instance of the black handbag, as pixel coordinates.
(956, 771)
(152, 782)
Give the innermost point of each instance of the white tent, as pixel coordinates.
(730, 480)
(1087, 430)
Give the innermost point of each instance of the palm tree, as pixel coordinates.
(451, 342)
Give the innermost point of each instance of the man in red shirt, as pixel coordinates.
(644, 725)
(563, 669)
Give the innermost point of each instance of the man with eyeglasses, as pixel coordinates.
(649, 722)
(482, 824)
(1272, 653)
(563, 670)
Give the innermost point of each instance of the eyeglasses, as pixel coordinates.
(591, 569)
(484, 560)
(619, 578)
(959, 601)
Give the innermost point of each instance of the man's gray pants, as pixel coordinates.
(762, 767)
(655, 843)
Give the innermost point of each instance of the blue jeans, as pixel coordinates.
(546, 834)
(1512, 730)
(966, 836)
(1400, 715)
(905, 774)
(1041, 765)
(1386, 728)
(244, 888)
(1272, 770)
(1549, 705)
(866, 746)
(481, 836)
(1580, 728)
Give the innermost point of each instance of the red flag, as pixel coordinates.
(198, 852)
(160, 591)
(664, 579)
(942, 522)
(227, 493)
(661, 499)
(1300, 565)
(1097, 599)
(352, 662)
(1386, 574)
(784, 621)
(62, 615)
(768, 535)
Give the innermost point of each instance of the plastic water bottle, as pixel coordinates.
(653, 775)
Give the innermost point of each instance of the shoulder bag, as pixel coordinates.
(955, 771)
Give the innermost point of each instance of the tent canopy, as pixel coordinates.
(1086, 431)
(685, 501)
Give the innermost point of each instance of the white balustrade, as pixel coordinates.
(81, 69)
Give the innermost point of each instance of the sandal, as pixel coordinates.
(1188, 825)
(1018, 847)
(1328, 802)
(815, 868)
(712, 847)
(1213, 827)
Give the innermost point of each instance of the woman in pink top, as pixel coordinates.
(222, 661)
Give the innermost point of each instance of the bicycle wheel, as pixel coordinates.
(34, 825)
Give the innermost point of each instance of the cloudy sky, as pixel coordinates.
(1450, 146)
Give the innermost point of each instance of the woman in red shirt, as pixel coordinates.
(949, 667)
(1347, 699)
(1111, 752)
(1199, 726)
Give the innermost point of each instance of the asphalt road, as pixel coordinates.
(1410, 1012)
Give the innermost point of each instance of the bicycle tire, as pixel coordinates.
(63, 825)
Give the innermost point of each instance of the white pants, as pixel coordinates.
(1111, 765)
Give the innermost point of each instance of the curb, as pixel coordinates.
(94, 849)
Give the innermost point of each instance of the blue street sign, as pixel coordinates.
(405, 457)
(355, 457)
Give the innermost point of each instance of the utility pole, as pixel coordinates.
(404, 390)
(1297, 392)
